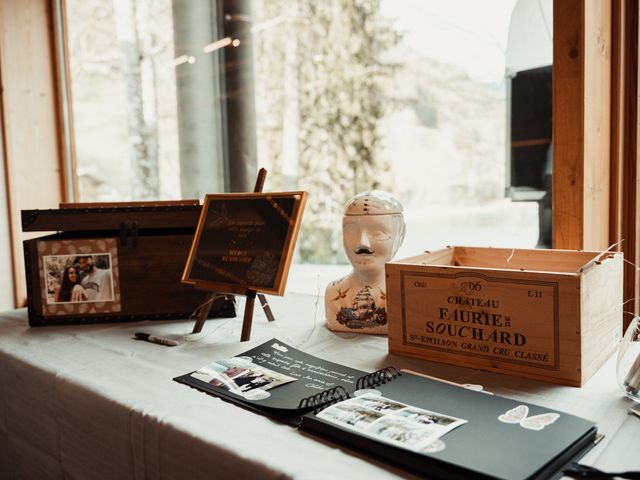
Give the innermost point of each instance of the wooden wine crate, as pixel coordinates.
(552, 315)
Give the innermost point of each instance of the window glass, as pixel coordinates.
(121, 68)
(408, 96)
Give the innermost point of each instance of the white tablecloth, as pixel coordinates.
(89, 402)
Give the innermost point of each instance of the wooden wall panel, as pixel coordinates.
(632, 174)
(630, 206)
(597, 124)
(618, 49)
(29, 117)
(581, 123)
(568, 132)
(6, 261)
(625, 177)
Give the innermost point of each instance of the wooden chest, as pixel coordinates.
(138, 253)
(552, 315)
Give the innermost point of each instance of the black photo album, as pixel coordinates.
(421, 424)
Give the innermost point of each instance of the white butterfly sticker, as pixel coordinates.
(520, 414)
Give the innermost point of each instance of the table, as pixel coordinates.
(89, 402)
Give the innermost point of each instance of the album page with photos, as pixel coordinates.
(275, 378)
(450, 432)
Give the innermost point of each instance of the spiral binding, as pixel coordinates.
(325, 398)
(377, 378)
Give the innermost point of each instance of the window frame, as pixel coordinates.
(595, 171)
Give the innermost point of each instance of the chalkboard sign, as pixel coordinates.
(245, 241)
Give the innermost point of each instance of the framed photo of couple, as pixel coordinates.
(79, 276)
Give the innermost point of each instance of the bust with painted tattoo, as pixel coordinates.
(372, 230)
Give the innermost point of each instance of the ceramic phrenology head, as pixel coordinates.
(372, 230)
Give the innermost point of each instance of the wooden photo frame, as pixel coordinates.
(245, 241)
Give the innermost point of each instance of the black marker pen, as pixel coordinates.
(153, 339)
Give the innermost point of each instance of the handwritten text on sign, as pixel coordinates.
(314, 376)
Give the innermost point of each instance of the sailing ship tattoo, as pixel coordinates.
(364, 313)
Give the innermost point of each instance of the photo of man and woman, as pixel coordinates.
(408, 434)
(353, 414)
(240, 375)
(79, 278)
(379, 404)
(425, 417)
(390, 421)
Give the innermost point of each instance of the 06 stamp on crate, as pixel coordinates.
(553, 315)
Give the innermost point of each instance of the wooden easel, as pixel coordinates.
(249, 294)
